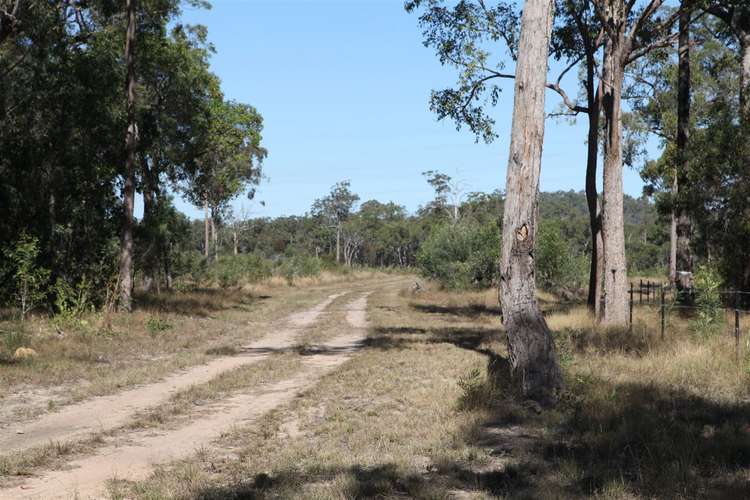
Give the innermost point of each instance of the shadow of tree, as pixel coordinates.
(201, 302)
(476, 310)
(382, 481)
(471, 310)
(605, 438)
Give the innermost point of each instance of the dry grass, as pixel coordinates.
(423, 411)
(416, 414)
(99, 355)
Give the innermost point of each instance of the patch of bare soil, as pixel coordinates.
(108, 412)
(133, 455)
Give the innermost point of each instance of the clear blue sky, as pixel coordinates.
(343, 87)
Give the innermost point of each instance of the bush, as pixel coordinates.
(31, 282)
(234, 270)
(299, 266)
(155, 325)
(73, 301)
(706, 285)
(556, 266)
(191, 265)
(461, 255)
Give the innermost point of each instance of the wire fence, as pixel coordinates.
(670, 301)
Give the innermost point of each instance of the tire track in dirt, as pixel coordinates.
(105, 413)
(134, 456)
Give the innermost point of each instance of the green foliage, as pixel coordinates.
(156, 325)
(471, 389)
(299, 266)
(462, 255)
(709, 318)
(31, 282)
(556, 262)
(73, 301)
(478, 390)
(234, 270)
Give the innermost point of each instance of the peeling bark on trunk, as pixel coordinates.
(533, 359)
(681, 223)
(128, 191)
(614, 311)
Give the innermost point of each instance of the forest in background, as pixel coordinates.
(69, 169)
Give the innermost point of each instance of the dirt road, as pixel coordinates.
(131, 454)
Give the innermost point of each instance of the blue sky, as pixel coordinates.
(343, 87)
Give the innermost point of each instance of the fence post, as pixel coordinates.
(663, 313)
(737, 323)
(640, 292)
(630, 327)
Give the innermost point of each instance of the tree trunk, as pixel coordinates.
(338, 243)
(234, 239)
(151, 254)
(673, 231)
(592, 195)
(214, 236)
(614, 311)
(533, 359)
(682, 226)
(167, 266)
(148, 213)
(744, 37)
(745, 78)
(128, 191)
(206, 230)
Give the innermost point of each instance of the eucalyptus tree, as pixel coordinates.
(229, 158)
(712, 185)
(532, 350)
(681, 258)
(735, 15)
(336, 208)
(175, 84)
(125, 280)
(466, 37)
(631, 31)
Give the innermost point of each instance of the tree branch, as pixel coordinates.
(659, 44)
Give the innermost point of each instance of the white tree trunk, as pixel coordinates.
(533, 359)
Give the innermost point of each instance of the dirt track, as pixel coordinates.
(132, 454)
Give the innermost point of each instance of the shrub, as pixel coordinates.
(461, 255)
(191, 265)
(73, 301)
(155, 324)
(31, 281)
(234, 270)
(299, 266)
(706, 285)
(556, 266)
